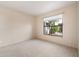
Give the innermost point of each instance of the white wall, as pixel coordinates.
(69, 27)
(15, 26)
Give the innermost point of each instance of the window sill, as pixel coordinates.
(55, 35)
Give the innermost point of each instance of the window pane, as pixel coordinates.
(46, 30)
(53, 25)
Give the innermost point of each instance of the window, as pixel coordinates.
(53, 25)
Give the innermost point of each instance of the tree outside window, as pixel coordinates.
(53, 25)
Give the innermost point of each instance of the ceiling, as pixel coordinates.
(36, 7)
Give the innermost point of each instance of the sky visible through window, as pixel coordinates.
(53, 25)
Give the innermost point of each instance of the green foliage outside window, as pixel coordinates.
(53, 25)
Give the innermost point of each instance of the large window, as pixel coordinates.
(53, 25)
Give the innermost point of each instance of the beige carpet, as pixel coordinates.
(35, 48)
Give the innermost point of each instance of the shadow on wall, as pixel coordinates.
(14, 26)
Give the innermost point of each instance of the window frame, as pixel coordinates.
(50, 26)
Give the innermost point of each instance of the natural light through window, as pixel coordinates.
(53, 25)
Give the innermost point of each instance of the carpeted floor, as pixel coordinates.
(35, 48)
